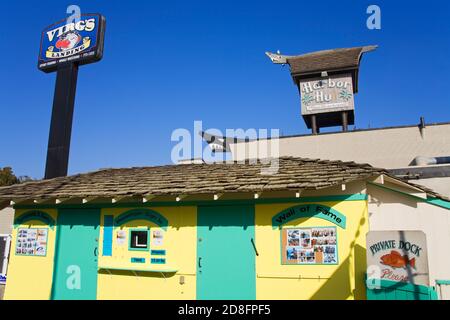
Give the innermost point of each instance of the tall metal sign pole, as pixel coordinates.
(64, 47)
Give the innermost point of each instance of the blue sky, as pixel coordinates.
(168, 63)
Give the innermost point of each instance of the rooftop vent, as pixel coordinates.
(428, 161)
(191, 161)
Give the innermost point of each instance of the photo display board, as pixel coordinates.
(32, 241)
(315, 245)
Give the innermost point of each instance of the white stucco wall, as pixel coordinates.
(6, 220)
(389, 148)
(440, 185)
(394, 211)
(385, 148)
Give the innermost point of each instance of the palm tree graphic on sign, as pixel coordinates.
(307, 99)
(345, 95)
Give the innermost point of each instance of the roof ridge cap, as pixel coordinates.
(363, 48)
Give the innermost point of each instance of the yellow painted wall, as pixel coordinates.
(342, 281)
(30, 277)
(181, 252)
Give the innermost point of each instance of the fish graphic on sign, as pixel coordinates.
(395, 260)
(68, 40)
(68, 44)
(80, 40)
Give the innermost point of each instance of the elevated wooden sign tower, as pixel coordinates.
(327, 81)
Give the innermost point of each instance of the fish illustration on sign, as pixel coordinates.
(396, 260)
(80, 41)
(68, 41)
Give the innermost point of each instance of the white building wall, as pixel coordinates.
(6, 220)
(6, 225)
(388, 148)
(440, 185)
(385, 148)
(443, 291)
(394, 211)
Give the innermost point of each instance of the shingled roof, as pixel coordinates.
(293, 174)
(327, 60)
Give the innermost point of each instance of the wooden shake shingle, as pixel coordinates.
(175, 180)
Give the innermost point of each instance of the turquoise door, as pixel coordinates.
(75, 270)
(390, 290)
(225, 253)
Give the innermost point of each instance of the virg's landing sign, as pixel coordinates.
(399, 256)
(329, 94)
(78, 41)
